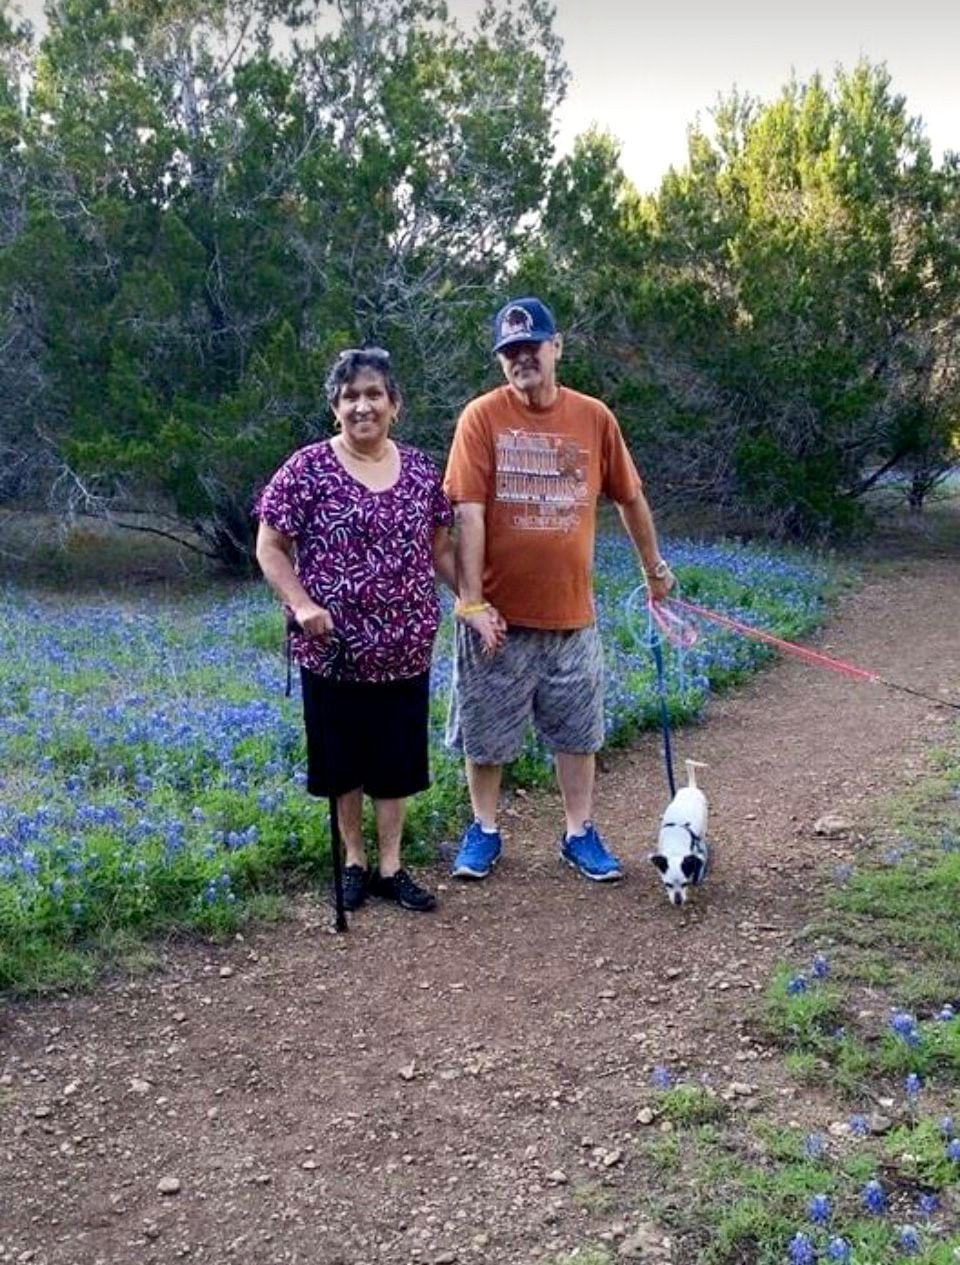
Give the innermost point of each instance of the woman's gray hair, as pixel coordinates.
(350, 362)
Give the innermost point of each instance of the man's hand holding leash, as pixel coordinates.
(659, 580)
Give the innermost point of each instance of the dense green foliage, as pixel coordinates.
(778, 327)
(214, 198)
(201, 202)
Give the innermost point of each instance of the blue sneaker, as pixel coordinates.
(479, 852)
(588, 854)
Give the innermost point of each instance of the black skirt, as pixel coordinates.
(370, 735)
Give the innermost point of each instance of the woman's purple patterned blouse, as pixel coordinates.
(366, 556)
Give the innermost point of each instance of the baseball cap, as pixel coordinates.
(523, 321)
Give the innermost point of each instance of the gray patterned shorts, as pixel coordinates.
(554, 679)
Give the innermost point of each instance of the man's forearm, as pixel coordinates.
(638, 521)
(444, 558)
(470, 552)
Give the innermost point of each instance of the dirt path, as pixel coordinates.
(463, 1087)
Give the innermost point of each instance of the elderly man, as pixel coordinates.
(528, 463)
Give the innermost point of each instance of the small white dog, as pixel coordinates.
(682, 854)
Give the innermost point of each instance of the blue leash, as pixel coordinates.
(700, 846)
(656, 649)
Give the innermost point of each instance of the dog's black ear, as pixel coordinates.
(692, 868)
(660, 861)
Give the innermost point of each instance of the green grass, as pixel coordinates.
(800, 1020)
(594, 1199)
(665, 1155)
(688, 1105)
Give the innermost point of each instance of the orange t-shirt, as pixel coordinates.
(538, 474)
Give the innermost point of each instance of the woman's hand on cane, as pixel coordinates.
(314, 620)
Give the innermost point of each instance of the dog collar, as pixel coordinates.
(682, 825)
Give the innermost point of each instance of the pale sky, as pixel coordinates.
(644, 70)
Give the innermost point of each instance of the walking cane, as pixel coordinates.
(340, 923)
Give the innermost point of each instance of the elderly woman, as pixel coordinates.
(352, 533)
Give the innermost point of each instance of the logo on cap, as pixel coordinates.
(523, 320)
(515, 321)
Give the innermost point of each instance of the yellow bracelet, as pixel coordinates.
(469, 608)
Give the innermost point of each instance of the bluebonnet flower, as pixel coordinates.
(953, 1150)
(913, 1085)
(843, 872)
(813, 1146)
(946, 1013)
(905, 1027)
(797, 985)
(660, 1077)
(838, 1249)
(909, 1239)
(874, 1198)
(928, 1202)
(859, 1126)
(819, 1209)
(820, 967)
(800, 1249)
(946, 1126)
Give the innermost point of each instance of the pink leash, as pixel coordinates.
(682, 632)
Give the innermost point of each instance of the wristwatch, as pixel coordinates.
(660, 571)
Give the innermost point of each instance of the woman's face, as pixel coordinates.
(364, 409)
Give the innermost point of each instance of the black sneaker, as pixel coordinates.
(356, 883)
(401, 888)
